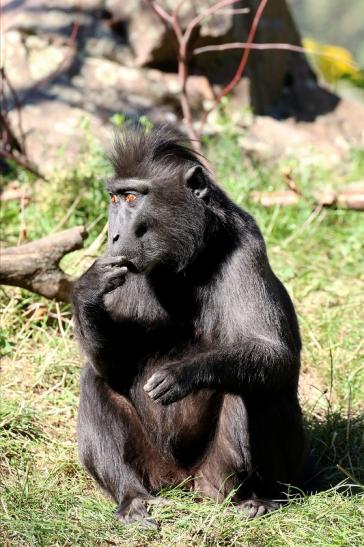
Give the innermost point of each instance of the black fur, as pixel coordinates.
(192, 342)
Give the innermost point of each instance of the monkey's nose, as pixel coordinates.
(115, 238)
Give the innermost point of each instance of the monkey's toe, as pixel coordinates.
(254, 508)
(135, 512)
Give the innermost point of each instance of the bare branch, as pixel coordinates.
(5, 79)
(244, 59)
(265, 46)
(9, 139)
(235, 11)
(22, 161)
(199, 18)
(35, 265)
(162, 13)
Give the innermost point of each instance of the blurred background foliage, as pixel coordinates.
(332, 22)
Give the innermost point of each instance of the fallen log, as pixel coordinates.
(270, 199)
(35, 265)
(350, 196)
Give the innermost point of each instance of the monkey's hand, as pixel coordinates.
(169, 384)
(105, 275)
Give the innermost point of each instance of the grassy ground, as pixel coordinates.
(48, 500)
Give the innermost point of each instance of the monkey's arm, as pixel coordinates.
(97, 333)
(257, 365)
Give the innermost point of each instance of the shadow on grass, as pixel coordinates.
(336, 454)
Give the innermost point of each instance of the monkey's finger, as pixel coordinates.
(146, 522)
(114, 280)
(113, 261)
(160, 390)
(154, 381)
(115, 270)
(260, 511)
(159, 501)
(170, 397)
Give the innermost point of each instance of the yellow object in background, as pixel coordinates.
(333, 62)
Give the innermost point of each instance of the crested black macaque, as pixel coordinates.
(192, 343)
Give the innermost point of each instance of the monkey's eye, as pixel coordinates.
(114, 198)
(129, 197)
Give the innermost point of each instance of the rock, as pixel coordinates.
(122, 10)
(31, 59)
(52, 126)
(344, 125)
(327, 140)
(153, 86)
(45, 58)
(44, 19)
(154, 44)
(106, 47)
(151, 42)
(113, 65)
(16, 59)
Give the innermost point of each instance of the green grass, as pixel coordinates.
(48, 500)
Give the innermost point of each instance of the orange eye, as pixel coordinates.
(129, 197)
(114, 198)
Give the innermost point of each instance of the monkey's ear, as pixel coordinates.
(197, 180)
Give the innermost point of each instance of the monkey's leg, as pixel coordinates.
(257, 447)
(115, 449)
(228, 454)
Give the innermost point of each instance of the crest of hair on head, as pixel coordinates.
(141, 155)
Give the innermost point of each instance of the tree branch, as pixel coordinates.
(269, 46)
(35, 265)
(243, 61)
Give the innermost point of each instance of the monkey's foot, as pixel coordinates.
(134, 510)
(257, 507)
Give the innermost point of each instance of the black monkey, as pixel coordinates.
(192, 343)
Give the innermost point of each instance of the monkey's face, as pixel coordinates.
(154, 222)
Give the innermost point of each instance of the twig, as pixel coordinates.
(162, 13)
(92, 250)
(72, 42)
(63, 221)
(350, 476)
(23, 162)
(183, 41)
(22, 227)
(17, 104)
(8, 133)
(53, 388)
(265, 46)
(183, 67)
(235, 11)
(8, 137)
(94, 222)
(243, 61)
(59, 319)
(199, 18)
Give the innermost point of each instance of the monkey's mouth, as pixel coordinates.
(132, 266)
(139, 265)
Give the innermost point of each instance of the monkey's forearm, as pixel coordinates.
(94, 330)
(108, 345)
(97, 332)
(252, 368)
(255, 366)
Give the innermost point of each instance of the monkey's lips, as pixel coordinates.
(132, 266)
(140, 265)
